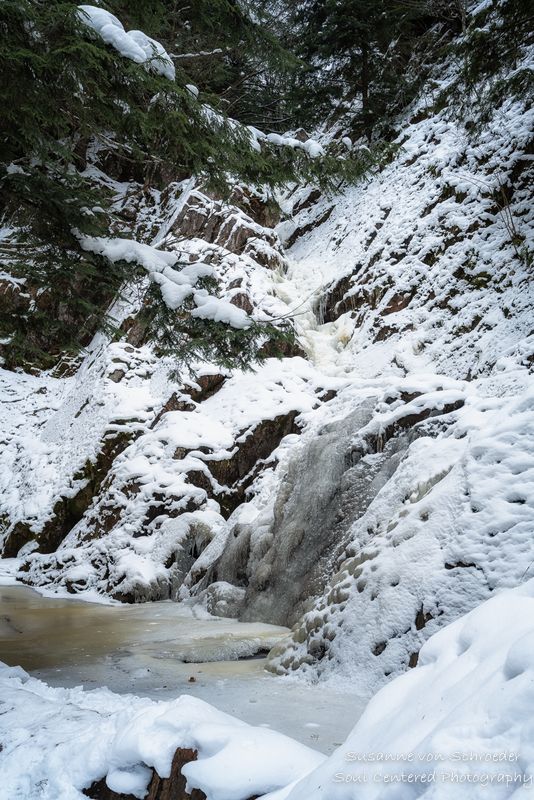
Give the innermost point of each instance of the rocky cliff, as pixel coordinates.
(367, 488)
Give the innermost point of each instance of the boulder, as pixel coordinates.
(171, 788)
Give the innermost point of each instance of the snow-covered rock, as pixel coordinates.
(56, 742)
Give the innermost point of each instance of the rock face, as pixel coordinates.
(68, 511)
(228, 479)
(176, 455)
(231, 228)
(176, 484)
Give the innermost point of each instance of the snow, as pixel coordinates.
(463, 533)
(176, 285)
(209, 307)
(208, 433)
(58, 741)
(452, 523)
(154, 649)
(135, 45)
(311, 147)
(56, 426)
(410, 299)
(460, 721)
(53, 430)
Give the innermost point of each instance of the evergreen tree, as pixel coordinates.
(371, 51)
(227, 48)
(491, 59)
(63, 87)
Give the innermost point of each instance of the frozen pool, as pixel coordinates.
(162, 650)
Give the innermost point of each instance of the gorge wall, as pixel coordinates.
(369, 487)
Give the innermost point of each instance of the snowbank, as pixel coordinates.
(458, 725)
(58, 741)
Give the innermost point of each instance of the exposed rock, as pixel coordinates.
(333, 303)
(17, 536)
(171, 788)
(313, 196)
(45, 345)
(136, 330)
(301, 230)
(117, 375)
(413, 660)
(176, 402)
(228, 479)
(398, 302)
(301, 135)
(243, 301)
(384, 332)
(285, 348)
(68, 511)
(204, 386)
(208, 384)
(354, 293)
(264, 212)
(264, 253)
(230, 228)
(410, 420)
(422, 618)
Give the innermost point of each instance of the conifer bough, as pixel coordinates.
(76, 82)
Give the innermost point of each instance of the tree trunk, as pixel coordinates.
(366, 112)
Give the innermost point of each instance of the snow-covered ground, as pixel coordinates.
(58, 740)
(458, 725)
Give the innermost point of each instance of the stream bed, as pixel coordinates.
(161, 650)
